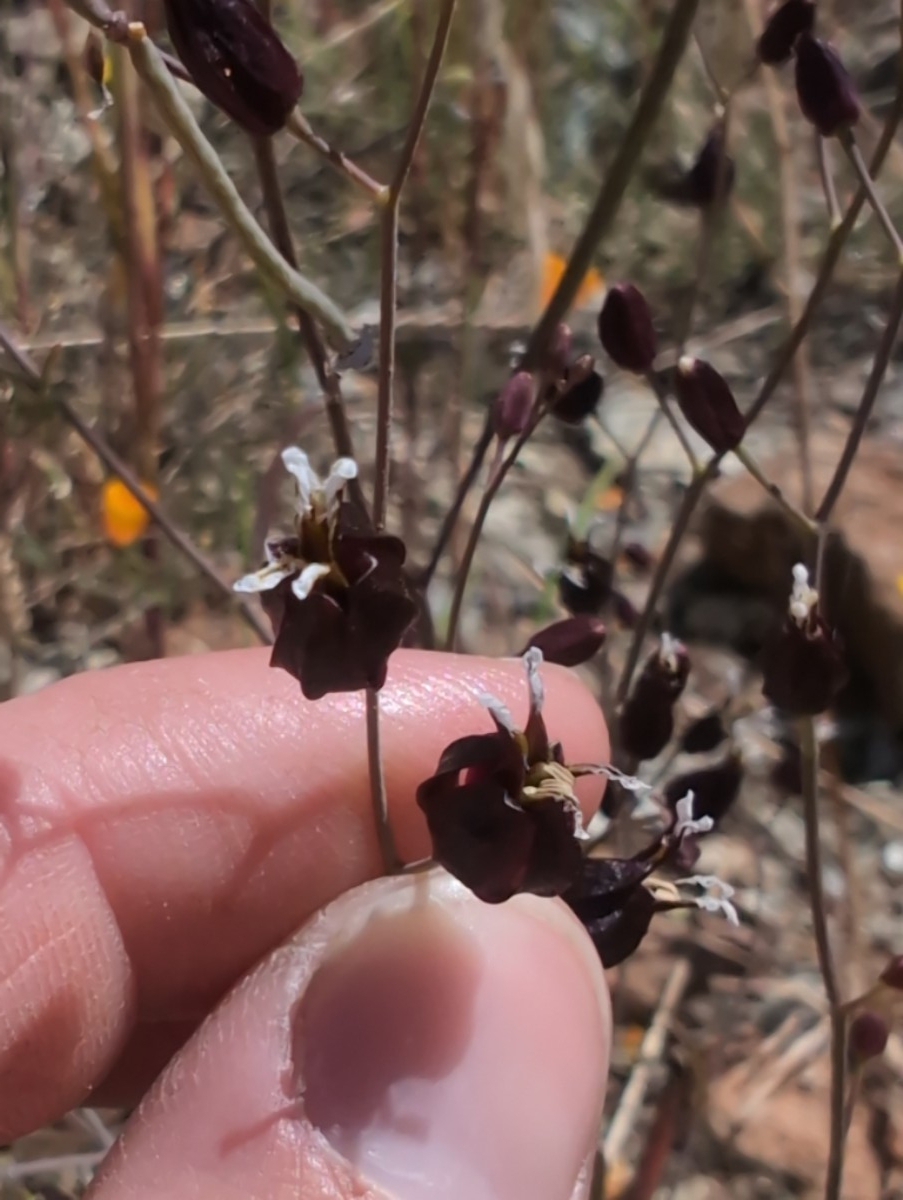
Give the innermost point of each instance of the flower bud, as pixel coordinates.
(237, 60)
(570, 642)
(802, 663)
(585, 585)
(867, 1037)
(782, 28)
(626, 330)
(560, 351)
(824, 87)
(513, 405)
(638, 556)
(708, 404)
(715, 789)
(647, 719)
(711, 177)
(93, 57)
(581, 392)
(704, 734)
(892, 975)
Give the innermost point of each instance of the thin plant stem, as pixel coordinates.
(36, 380)
(866, 404)
(389, 264)
(299, 126)
(661, 395)
(752, 467)
(815, 881)
(848, 141)
(617, 177)
(328, 379)
(378, 794)
(826, 174)
(386, 386)
(500, 469)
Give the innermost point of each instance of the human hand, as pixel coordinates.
(162, 826)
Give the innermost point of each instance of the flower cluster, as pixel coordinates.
(334, 589)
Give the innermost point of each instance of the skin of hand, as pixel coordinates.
(164, 827)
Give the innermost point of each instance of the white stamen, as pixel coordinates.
(343, 470)
(803, 598)
(532, 662)
(498, 710)
(297, 464)
(716, 896)
(304, 584)
(686, 824)
(266, 578)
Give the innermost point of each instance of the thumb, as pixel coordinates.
(409, 1042)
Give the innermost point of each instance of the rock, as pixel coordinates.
(750, 540)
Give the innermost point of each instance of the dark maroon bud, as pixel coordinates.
(619, 934)
(646, 722)
(605, 885)
(824, 87)
(715, 789)
(704, 734)
(892, 975)
(237, 60)
(581, 392)
(868, 1036)
(560, 352)
(501, 809)
(625, 610)
(638, 556)
(708, 404)
(93, 56)
(626, 330)
(585, 584)
(802, 662)
(513, 405)
(570, 642)
(711, 177)
(782, 28)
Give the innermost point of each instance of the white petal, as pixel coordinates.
(298, 464)
(499, 712)
(304, 584)
(343, 469)
(686, 823)
(266, 578)
(533, 661)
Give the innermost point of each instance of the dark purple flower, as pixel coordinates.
(626, 330)
(513, 406)
(802, 662)
(782, 28)
(714, 788)
(584, 586)
(580, 392)
(617, 915)
(709, 179)
(708, 404)
(824, 87)
(501, 807)
(646, 722)
(570, 642)
(704, 734)
(334, 590)
(237, 60)
(561, 348)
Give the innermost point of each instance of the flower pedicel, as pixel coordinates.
(334, 589)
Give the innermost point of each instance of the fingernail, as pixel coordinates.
(449, 1048)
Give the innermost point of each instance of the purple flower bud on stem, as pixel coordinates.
(570, 642)
(581, 392)
(868, 1036)
(708, 404)
(782, 28)
(802, 663)
(626, 330)
(647, 719)
(237, 60)
(824, 87)
(711, 177)
(513, 405)
(892, 975)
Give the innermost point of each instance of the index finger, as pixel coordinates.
(162, 825)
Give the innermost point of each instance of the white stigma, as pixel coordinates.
(686, 823)
(532, 662)
(670, 651)
(311, 487)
